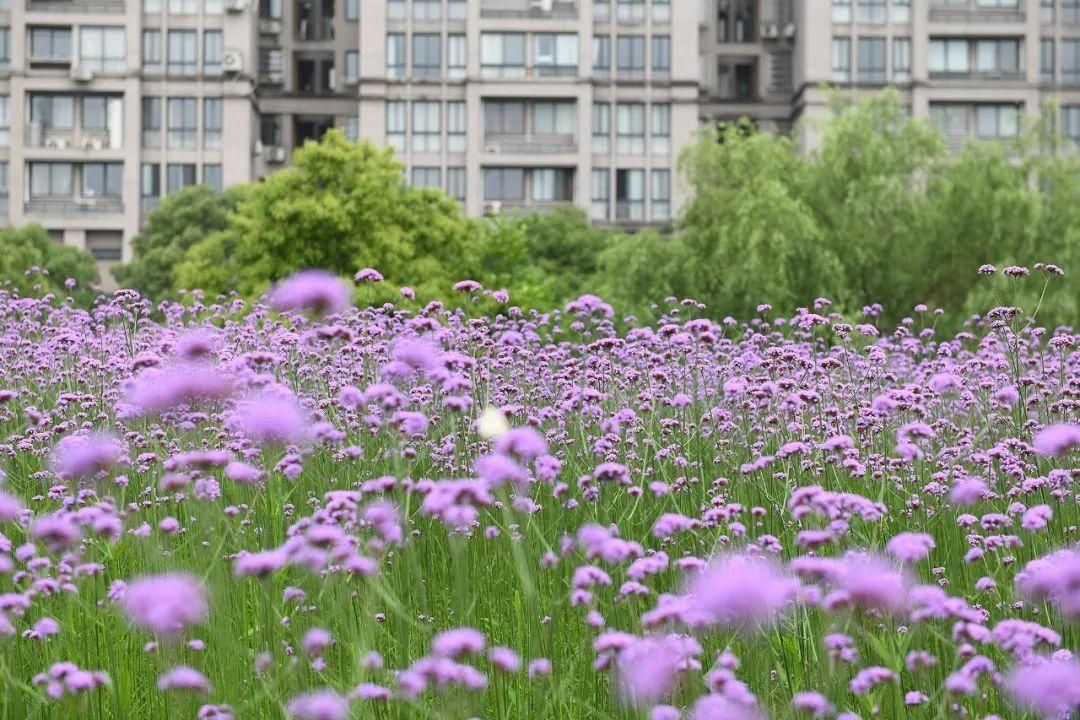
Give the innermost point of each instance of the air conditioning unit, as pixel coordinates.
(493, 149)
(770, 31)
(93, 143)
(789, 30)
(275, 78)
(257, 148)
(232, 61)
(56, 143)
(542, 5)
(235, 6)
(492, 208)
(275, 154)
(81, 74)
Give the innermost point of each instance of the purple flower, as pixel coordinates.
(165, 604)
(910, 546)
(368, 275)
(718, 707)
(271, 419)
(505, 659)
(183, 677)
(461, 641)
(83, 456)
(742, 592)
(1049, 688)
(813, 704)
(1057, 439)
(318, 705)
(314, 291)
(315, 641)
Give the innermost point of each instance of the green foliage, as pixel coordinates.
(30, 246)
(182, 220)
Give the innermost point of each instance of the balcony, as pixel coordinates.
(630, 210)
(529, 144)
(1002, 75)
(74, 206)
(525, 9)
(973, 12)
(111, 7)
(90, 140)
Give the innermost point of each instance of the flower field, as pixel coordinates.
(300, 509)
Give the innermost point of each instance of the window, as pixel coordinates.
(427, 9)
(504, 118)
(352, 128)
(182, 121)
(901, 11)
(601, 194)
(457, 9)
(352, 66)
(183, 7)
(550, 185)
(183, 56)
(871, 59)
(997, 57)
(841, 11)
(270, 130)
(50, 44)
(5, 186)
(1046, 60)
(426, 177)
(213, 47)
(54, 112)
(504, 185)
(630, 128)
(270, 9)
(151, 122)
(901, 59)
(395, 124)
(1070, 12)
(427, 55)
(502, 54)
(661, 128)
(948, 56)
(151, 51)
(456, 57)
(661, 194)
(601, 127)
(631, 11)
(352, 10)
(395, 55)
(213, 120)
(151, 6)
(661, 56)
(105, 245)
(555, 54)
(179, 176)
(997, 121)
(630, 56)
(426, 128)
(211, 176)
(661, 11)
(271, 64)
(554, 118)
(1070, 62)
(1070, 122)
(52, 180)
(456, 183)
(841, 59)
(149, 186)
(96, 110)
(213, 7)
(5, 122)
(102, 180)
(395, 10)
(630, 195)
(456, 126)
(101, 49)
(872, 11)
(602, 56)
(5, 47)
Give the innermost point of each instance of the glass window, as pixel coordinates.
(1070, 61)
(54, 112)
(456, 126)
(151, 122)
(182, 123)
(270, 9)
(101, 49)
(5, 177)
(630, 195)
(630, 128)
(213, 120)
(1070, 122)
(427, 9)
(213, 48)
(5, 121)
(179, 176)
(102, 180)
(395, 124)
(872, 11)
(661, 128)
(352, 66)
(183, 7)
(270, 130)
(151, 51)
(1046, 60)
(901, 11)
(151, 6)
(426, 128)
(50, 44)
(183, 55)
(95, 112)
(426, 177)
(504, 118)
(601, 194)
(504, 185)
(601, 127)
(5, 46)
(555, 54)
(841, 11)
(427, 55)
(841, 59)
(661, 55)
(630, 56)
(395, 55)
(661, 195)
(997, 57)
(554, 118)
(456, 57)
(948, 56)
(997, 121)
(213, 7)
(1070, 12)
(871, 59)
(52, 180)
(502, 54)
(150, 180)
(602, 55)
(211, 176)
(901, 59)
(456, 183)
(352, 10)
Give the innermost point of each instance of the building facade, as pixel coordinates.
(508, 105)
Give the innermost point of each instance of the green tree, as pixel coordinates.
(22, 249)
(181, 221)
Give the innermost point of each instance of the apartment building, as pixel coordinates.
(508, 105)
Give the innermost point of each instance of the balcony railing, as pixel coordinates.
(529, 144)
(630, 210)
(494, 9)
(976, 14)
(35, 136)
(74, 206)
(76, 6)
(977, 75)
